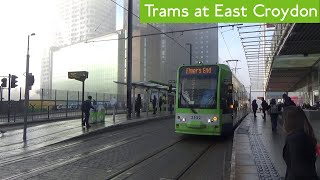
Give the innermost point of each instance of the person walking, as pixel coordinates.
(287, 101)
(86, 106)
(154, 104)
(299, 151)
(274, 112)
(264, 106)
(160, 103)
(254, 107)
(138, 105)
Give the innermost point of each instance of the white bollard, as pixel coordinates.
(114, 114)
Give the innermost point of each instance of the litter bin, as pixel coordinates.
(93, 117)
(101, 114)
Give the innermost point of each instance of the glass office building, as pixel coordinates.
(102, 57)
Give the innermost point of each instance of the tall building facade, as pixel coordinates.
(78, 21)
(102, 59)
(158, 57)
(82, 20)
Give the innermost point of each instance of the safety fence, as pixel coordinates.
(57, 104)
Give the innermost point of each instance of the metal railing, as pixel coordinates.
(54, 104)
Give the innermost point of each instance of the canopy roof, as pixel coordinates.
(148, 85)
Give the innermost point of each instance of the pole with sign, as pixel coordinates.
(80, 76)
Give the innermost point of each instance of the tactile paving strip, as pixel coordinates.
(266, 169)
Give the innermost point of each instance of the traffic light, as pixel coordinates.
(30, 79)
(170, 88)
(14, 81)
(4, 82)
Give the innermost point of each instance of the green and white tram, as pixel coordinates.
(209, 100)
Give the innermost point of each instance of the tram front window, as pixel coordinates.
(198, 92)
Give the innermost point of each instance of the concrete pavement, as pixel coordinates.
(257, 151)
(38, 136)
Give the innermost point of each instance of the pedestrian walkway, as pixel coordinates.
(257, 151)
(38, 136)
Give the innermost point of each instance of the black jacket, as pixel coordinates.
(86, 106)
(288, 102)
(264, 105)
(300, 156)
(138, 103)
(254, 105)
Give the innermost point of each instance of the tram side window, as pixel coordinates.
(226, 100)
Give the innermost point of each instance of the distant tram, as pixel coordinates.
(209, 100)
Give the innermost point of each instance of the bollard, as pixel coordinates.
(14, 115)
(114, 114)
(31, 114)
(48, 113)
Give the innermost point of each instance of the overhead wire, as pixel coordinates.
(225, 43)
(166, 33)
(153, 27)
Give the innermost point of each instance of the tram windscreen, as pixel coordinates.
(198, 87)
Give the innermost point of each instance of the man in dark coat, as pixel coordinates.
(160, 103)
(287, 101)
(86, 106)
(254, 107)
(264, 106)
(154, 104)
(138, 105)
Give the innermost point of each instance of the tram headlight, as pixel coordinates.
(181, 118)
(213, 119)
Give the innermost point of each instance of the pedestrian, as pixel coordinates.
(154, 104)
(287, 101)
(274, 110)
(264, 106)
(86, 106)
(254, 107)
(138, 105)
(170, 101)
(160, 103)
(299, 152)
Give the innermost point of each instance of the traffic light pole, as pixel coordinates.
(9, 99)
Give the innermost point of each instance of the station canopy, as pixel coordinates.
(298, 52)
(149, 85)
(279, 56)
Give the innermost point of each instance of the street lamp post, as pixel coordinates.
(26, 93)
(190, 52)
(129, 60)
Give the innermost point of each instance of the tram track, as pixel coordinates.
(66, 161)
(73, 158)
(135, 167)
(135, 154)
(66, 130)
(31, 142)
(46, 150)
(191, 164)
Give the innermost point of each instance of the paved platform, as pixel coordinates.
(257, 151)
(11, 142)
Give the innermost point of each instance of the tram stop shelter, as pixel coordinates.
(148, 86)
